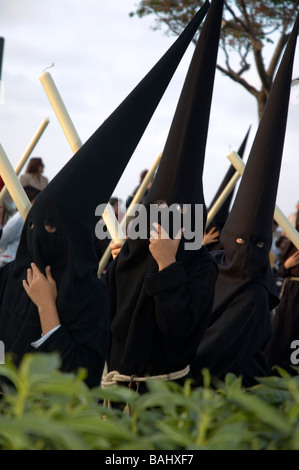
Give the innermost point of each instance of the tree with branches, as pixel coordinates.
(250, 28)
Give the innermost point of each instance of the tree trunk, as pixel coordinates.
(261, 97)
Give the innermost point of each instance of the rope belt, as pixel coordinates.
(113, 377)
(290, 278)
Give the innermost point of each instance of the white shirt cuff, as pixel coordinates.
(40, 341)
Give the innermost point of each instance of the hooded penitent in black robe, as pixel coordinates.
(245, 290)
(220, 218)
(285, 323)
(158, 317)
(69, 203)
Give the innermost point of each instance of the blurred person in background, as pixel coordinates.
(12, 230)
(33, 175)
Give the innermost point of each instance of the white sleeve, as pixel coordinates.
(9, 254)
(41, 340)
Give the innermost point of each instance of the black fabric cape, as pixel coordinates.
(158, 318)
(234, 342)
(69, 202)
(82, 301)
(160, 334)
(285, 322)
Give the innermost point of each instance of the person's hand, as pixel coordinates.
(292, 261)
(115, 249)
(162, 247)
(211, 237)
(42, 291)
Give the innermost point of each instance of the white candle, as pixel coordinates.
(140, 192)
(13, 185)
(103, 261)
(112, 224)
(279, 216)
(27, 153)
(60, 111)
(116, 233)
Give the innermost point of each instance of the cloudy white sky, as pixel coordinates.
(99, 55)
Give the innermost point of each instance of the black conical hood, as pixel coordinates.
(247, 234)
(89, 178)
(179, 176)
(100, 162)
(221, 216)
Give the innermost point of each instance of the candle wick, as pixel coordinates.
(52, 65)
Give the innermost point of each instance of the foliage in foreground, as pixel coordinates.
(46, 409)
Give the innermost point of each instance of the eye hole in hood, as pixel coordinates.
(49, 227)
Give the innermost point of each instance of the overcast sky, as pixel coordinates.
(100, 54)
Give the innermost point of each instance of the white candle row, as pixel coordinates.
(13, 185)
(27, 153)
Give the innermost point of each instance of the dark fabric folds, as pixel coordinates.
(245, 291)
(158, 317)
(69, 203)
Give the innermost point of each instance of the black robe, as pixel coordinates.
(82, 301)
(236, 336)
(81, 341)
(158, 331)
(285, 322)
